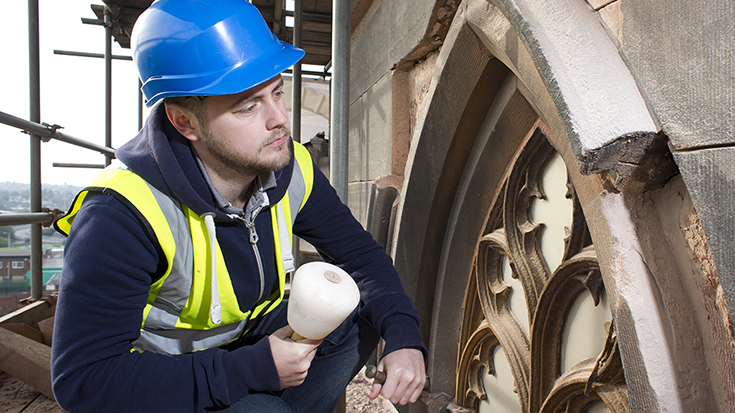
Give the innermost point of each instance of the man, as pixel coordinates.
(175, 265)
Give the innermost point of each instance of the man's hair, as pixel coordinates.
(193, 103)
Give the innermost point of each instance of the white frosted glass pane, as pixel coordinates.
(584, 330)
(596, 407)
(555, 212)
(499, 387)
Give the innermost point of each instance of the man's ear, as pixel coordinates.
(183, 120)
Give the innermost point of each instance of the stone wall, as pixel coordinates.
(382, 95)
(681, 53)
(677, 63)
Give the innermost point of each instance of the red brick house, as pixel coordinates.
(14, 264)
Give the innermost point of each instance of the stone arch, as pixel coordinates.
(502, 68)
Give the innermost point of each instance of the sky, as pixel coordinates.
(73, 91)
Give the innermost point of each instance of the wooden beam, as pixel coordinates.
(32, 313)
(279, 22)
(26, 360)
(47, 330)
(24, 330)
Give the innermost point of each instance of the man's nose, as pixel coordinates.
(277, 116)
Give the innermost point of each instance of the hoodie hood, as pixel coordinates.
(164, 158)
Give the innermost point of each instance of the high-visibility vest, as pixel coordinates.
(189, 308)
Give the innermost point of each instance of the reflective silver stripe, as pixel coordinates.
(159, 318)
(296, 191)
(289, 264)
(159, 333)
(187, 341)
(174, 293)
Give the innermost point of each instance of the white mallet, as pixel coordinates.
(322, 296)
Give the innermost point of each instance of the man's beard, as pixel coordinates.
(248, 164)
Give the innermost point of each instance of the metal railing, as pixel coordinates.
(47, 132)
(39, 133)
(38, 217)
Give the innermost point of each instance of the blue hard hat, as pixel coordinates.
(206, 47)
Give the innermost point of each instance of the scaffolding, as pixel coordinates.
(40, 132)
(28, 360)
(108, 17)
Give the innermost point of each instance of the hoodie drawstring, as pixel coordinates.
(215, 310)
(286, 254)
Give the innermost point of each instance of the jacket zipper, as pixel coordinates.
(254, 242)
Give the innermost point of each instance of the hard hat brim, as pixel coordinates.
(234, 79)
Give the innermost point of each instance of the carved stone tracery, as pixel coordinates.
(489, 321)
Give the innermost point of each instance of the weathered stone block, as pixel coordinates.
(392, 32)
(681, 54)
(358, 195)
(370, 133)
(710, 178)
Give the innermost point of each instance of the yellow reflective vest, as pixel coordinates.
(193, 306)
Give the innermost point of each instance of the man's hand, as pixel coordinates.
(292, 358)
(405, 376)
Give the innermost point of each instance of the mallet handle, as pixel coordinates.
(372, 372)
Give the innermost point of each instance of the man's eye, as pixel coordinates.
(248, 109)
(278, 94)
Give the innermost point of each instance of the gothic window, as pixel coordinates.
(537, 334)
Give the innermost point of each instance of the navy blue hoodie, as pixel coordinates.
(108, 268)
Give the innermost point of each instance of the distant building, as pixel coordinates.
(15, 264)
(15, 268)
(52, 263)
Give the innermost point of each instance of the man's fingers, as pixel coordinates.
(292, 358)
(416, 394)
(402, 382)
(412, 393)
(283, 332)
(376, 391)
(401, 375)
